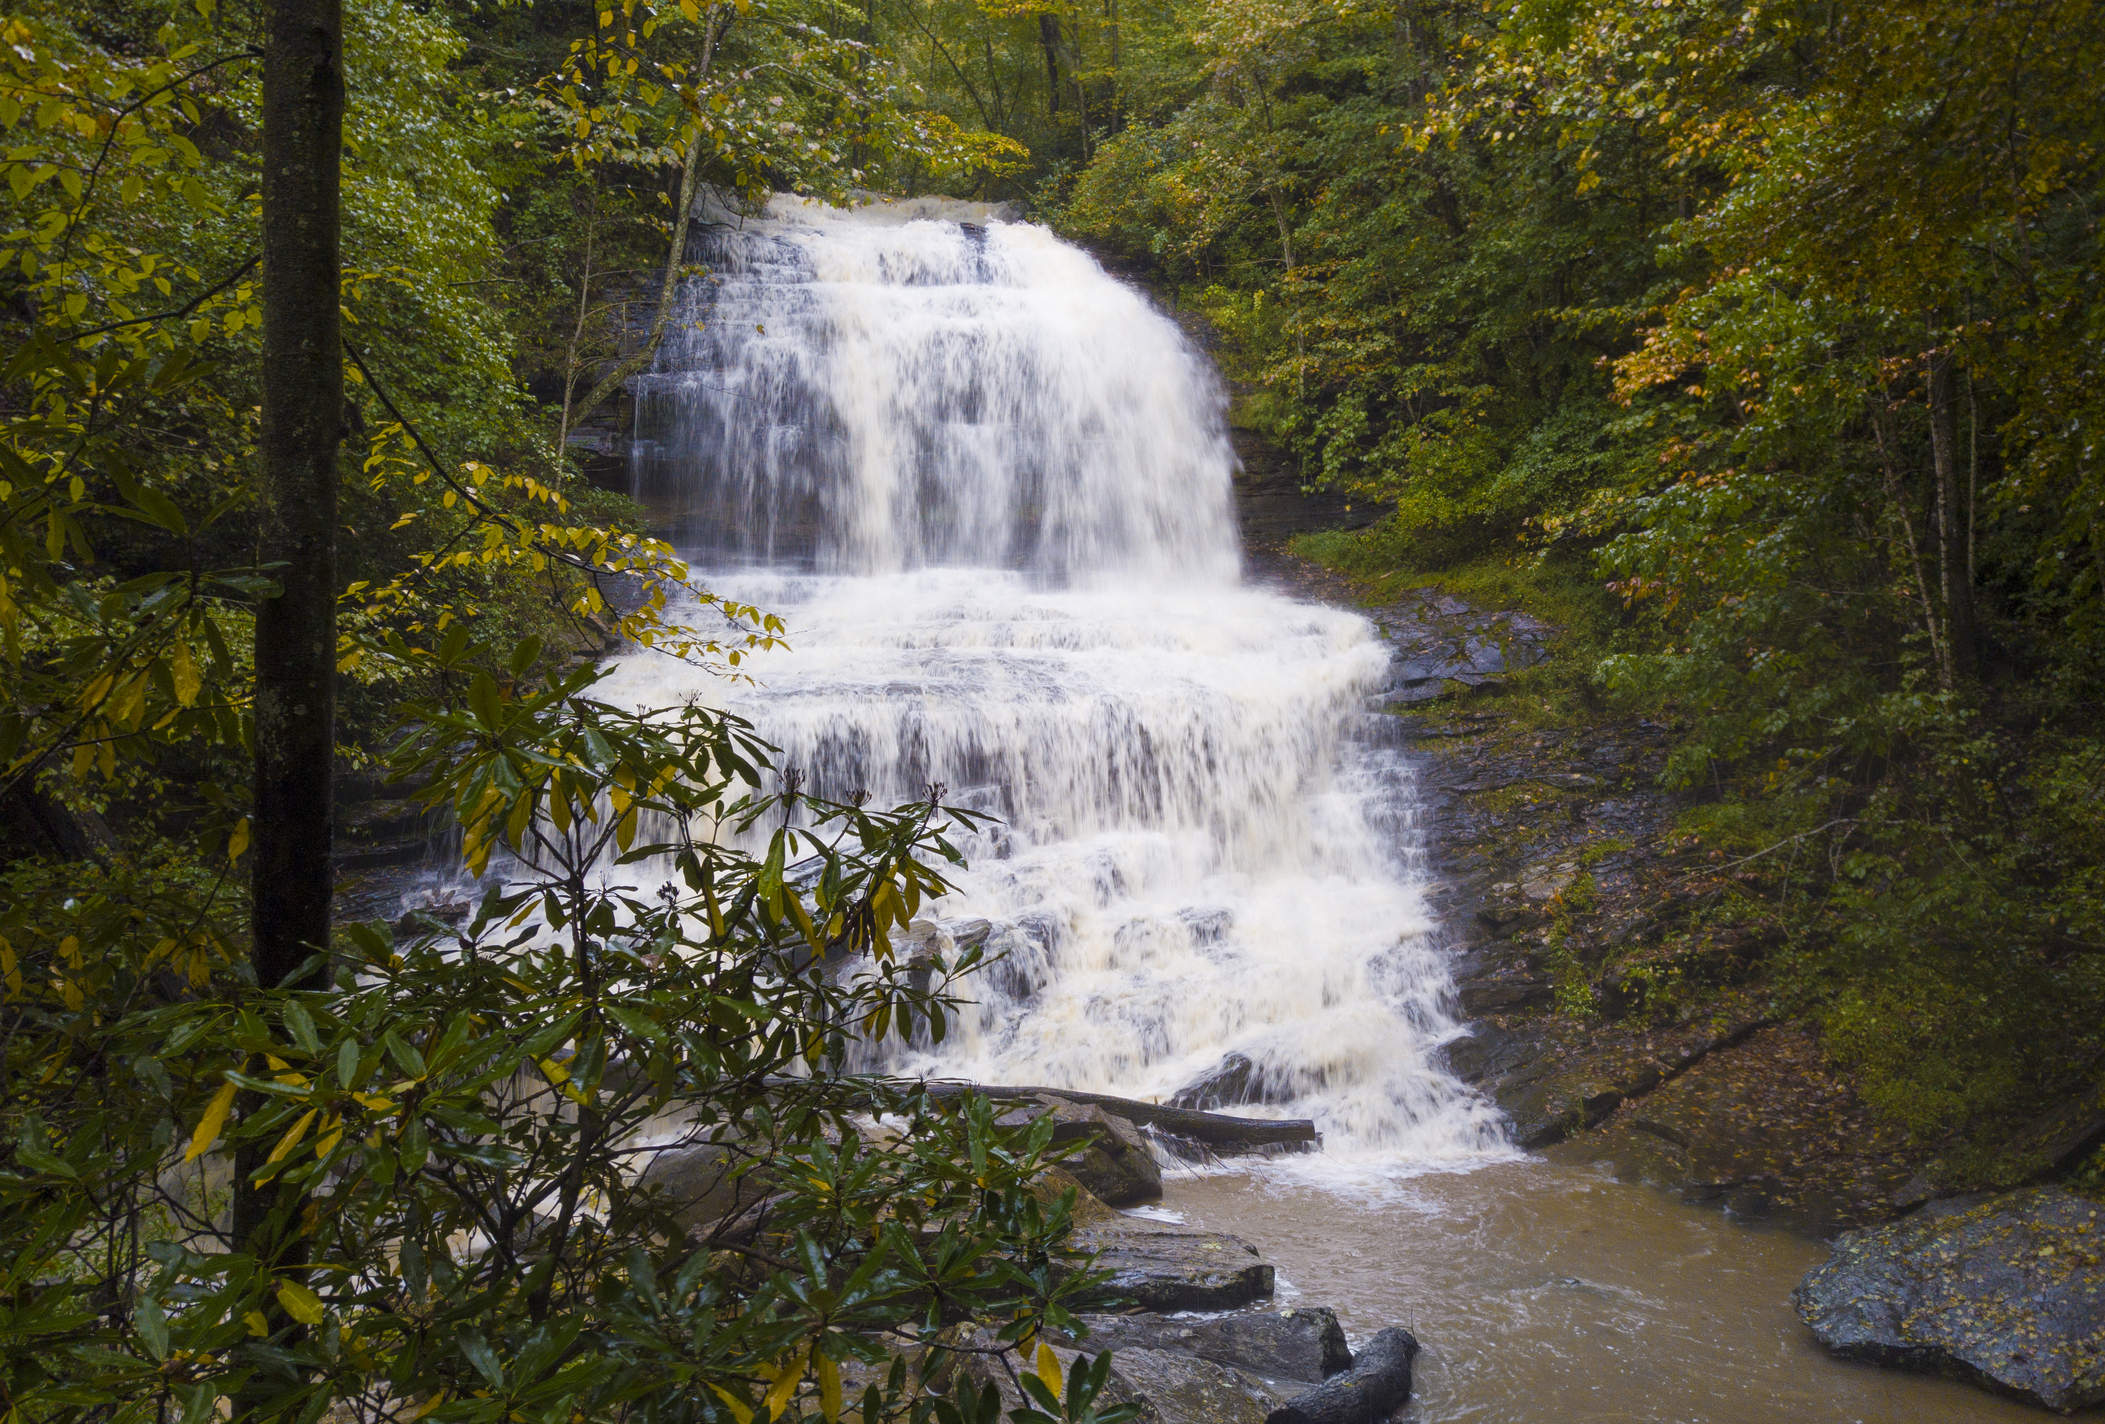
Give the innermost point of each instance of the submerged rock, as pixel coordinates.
(707, 1181)
(2009, 1295)
(1232, 1082)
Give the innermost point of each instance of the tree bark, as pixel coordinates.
(292, 820)
(1049, 41)
(1952, 555)
(1217, 1130)
(303, 105)
(1896, 495)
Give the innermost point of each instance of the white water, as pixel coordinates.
(989, 489)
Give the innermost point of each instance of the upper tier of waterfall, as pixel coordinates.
(880, 390)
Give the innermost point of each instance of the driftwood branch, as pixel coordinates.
(1219, 1131)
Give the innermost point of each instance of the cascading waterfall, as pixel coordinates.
(989, 489)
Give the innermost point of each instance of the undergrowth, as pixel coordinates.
(1922, 872)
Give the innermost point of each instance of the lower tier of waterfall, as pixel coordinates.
(1204, 854)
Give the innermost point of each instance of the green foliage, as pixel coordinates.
(445, 1144)
(451, 1135)
(1747, 315)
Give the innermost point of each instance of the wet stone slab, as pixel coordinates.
(2009, 1294)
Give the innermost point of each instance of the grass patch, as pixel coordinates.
(1563, 592)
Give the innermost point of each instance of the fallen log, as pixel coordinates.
(1217, 1130)
(1378, 1382)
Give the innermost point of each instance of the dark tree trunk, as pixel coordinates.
(1953, 557)
(1049, 41)
(303, 105)
(303, 419)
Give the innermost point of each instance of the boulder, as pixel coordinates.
(1117, 1165)
(1161, 1267)
(702, 1183)
(1378, 1382)
(1235, 1080)
(1303, 1344)
(1173, 1388)
(2009, 1294)
(1169, 1387)
(1505, 996)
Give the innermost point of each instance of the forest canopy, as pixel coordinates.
(1763, 342)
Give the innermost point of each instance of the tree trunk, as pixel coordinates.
(1218, 1130)
(676, 259)
(1049, 41)
(303, 424)
(1286, 251)
(1118, 78)
(1952, 555)
(1896, 495)
(303, 103)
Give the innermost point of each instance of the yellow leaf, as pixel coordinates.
(428, 1405)
(208, 1128)
(733, 1403)
(784, 1389)
(829, 1385)
(129, 702)
(183, 668)
(1049, 1367)
(300, 1303)
(292, 1138)
(258, 1326)
(239, 840)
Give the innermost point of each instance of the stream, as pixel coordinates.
(990, 490)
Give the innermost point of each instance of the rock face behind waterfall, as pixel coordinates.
(2009, 1294)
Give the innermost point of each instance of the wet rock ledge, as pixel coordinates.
(2007, 1292)
(1616, 1011)
(1187, 1312)
(1242, 1362)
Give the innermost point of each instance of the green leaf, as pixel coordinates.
(152, 1326)
(524, 656)
(301, 1023)
(479, 1354)
(405, 1055)
(642, 1025)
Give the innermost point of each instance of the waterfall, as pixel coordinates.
(989, 489)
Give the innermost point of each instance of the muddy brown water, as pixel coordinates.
(1547, 1292)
